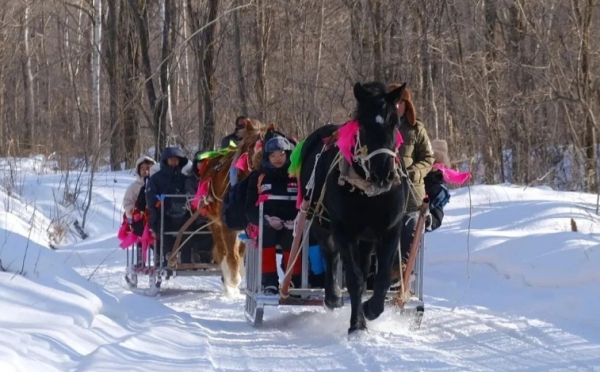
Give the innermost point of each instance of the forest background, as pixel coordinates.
(512, 85)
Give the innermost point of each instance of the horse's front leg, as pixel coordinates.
(385, 250)
(349, 248)
(333, 292)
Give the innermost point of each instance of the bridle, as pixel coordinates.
(363, 157)
(360, 155)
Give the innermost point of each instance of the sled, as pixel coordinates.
(256, 300)
(156, 268)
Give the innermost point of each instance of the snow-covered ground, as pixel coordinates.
(509, 287)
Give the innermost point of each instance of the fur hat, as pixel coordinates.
(411, 112)
(440, 152)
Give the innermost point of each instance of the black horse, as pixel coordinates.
(363, 215)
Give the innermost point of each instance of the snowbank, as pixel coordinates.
(48, 310)
(522, 233)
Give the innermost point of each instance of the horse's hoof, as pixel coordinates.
(333, 302)
(357, 330)
(369, 314)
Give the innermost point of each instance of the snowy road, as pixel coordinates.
(467, 338)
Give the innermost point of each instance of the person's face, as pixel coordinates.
(145, 169)
(277, 158)
(240, 124)
(401, 108)
(198, 165)
(173, 162)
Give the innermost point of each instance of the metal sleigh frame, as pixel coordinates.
(154, 265)
(256, 300)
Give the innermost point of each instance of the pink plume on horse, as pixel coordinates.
(242, 162)
(399, 139)
(252, 231)
(201, 192)
(298, 194)
(452, 176)
(146, 241)
(129, 240)
(262, 198)
(347, 139)
(122, 233)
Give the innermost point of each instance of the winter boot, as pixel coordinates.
(270, 280)
(270, 283)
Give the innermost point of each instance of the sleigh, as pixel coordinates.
(145, 262)
(409, 302)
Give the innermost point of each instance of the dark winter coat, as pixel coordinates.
(141, 198)
(433, 186)
(167, 181)
(272, 181)
(229, 138)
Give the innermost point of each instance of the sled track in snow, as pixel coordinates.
(213, 332)
(450, 341)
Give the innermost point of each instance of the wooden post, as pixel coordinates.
(295, 252)
(414, 249)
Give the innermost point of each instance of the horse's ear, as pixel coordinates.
(249, 126)
(359, 92)
(271, 127)
(395, 95)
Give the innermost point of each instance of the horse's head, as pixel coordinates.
(253, 136)
(377, 140)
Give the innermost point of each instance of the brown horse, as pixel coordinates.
(228, 250)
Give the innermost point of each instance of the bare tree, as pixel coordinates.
(239, 65)
(28, 82)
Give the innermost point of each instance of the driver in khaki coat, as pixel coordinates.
(417, 155)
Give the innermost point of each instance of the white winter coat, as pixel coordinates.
(133, 190)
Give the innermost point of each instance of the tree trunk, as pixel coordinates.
(377, 16)
(261, 37)
(492, 148)
(239, 66)
(28, 83)
(585, 19)
(162, 109)
(96, 128)
(208, 86)
(357, 46)
(128, 87)
(141, 17)
(112, 62)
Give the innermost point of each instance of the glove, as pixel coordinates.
(289, 224)
(275, 222)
